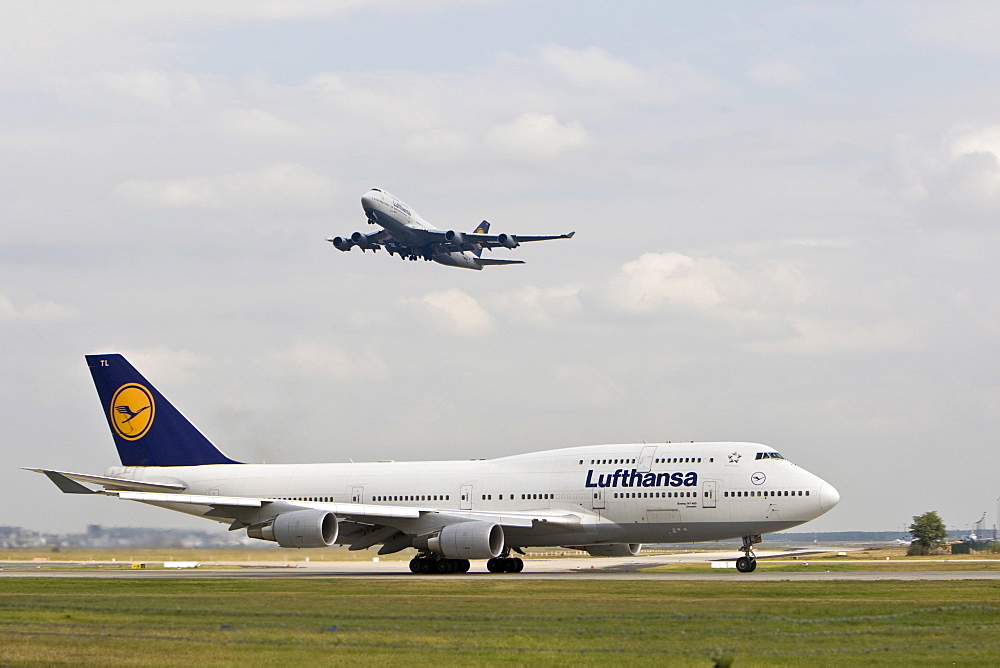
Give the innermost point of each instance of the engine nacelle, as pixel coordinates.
(342, 244)
(610, 549)
(466, 540)
(453, 237)
(507, 240)
(299, 528)
(360, 239)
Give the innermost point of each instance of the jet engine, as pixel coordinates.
(340, 243)
(453, 237)
(610, 549)
(359, 239)
(299, 528)
(507, 240)
(466, 540)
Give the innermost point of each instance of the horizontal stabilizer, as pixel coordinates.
(490, 261)
(66, 485)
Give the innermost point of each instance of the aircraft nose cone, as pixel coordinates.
(828, 496)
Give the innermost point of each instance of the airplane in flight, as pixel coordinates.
(406, 234)
(604, 499)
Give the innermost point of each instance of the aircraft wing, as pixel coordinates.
(503, 240)
(451, 241)
(359, 512)
(374, 241)
(362, 525)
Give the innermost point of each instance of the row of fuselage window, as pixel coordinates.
(656, 495)
(527, 497)
(658, 460)
(446, 497)
(758, 492)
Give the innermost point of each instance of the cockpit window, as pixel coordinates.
(768, 455)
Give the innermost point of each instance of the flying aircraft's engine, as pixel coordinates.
(466, 540)
(610, 550)
(453, 237)
(507, 240)
(299, 528)
(340, 243)
(360, 239)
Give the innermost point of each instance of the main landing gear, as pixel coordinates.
(505, 565)
(748, 562)
(429, 564)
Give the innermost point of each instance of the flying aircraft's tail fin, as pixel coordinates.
(147, 429)
(484, 228)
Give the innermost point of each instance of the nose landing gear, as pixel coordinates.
(748, 562)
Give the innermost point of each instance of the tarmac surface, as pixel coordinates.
(564, 568)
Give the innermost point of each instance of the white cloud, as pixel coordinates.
(258, 125)
(280, 185)
(957, 181)
(706, 285)
(40, 312)
(824, 335)
(967, 140)
(776, 73)
(540, 305)
(590, 385)
(592, 66)
(440, 147)
(455, 312)
(534, 137)
(163, 366)
(969, 25)
(617, 80)
(658, 280)
(323, 358)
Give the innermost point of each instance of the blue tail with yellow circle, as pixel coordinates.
(147, 429)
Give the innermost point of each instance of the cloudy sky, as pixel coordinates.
(786, 218)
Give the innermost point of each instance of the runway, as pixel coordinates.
(629, 568)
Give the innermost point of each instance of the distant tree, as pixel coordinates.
(928, 530)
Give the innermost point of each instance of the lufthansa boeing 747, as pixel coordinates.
(406, 234)
(605, 499)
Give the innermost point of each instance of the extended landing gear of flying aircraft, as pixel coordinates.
(748, 562)
(431, 564)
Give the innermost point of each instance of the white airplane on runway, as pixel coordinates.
(605, 499)
(407, 234)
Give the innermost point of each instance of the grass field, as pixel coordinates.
(493, 621)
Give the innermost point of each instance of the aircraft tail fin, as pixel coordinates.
(147, 429)
(484, 228)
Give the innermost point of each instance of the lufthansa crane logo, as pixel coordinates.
(132, 411)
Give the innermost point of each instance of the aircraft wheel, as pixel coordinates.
(517, 565)
(495, 565)
(753, 565)
(445, 566)
(746, 564)
(463, 566)
(427, 566)
(415, 565)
